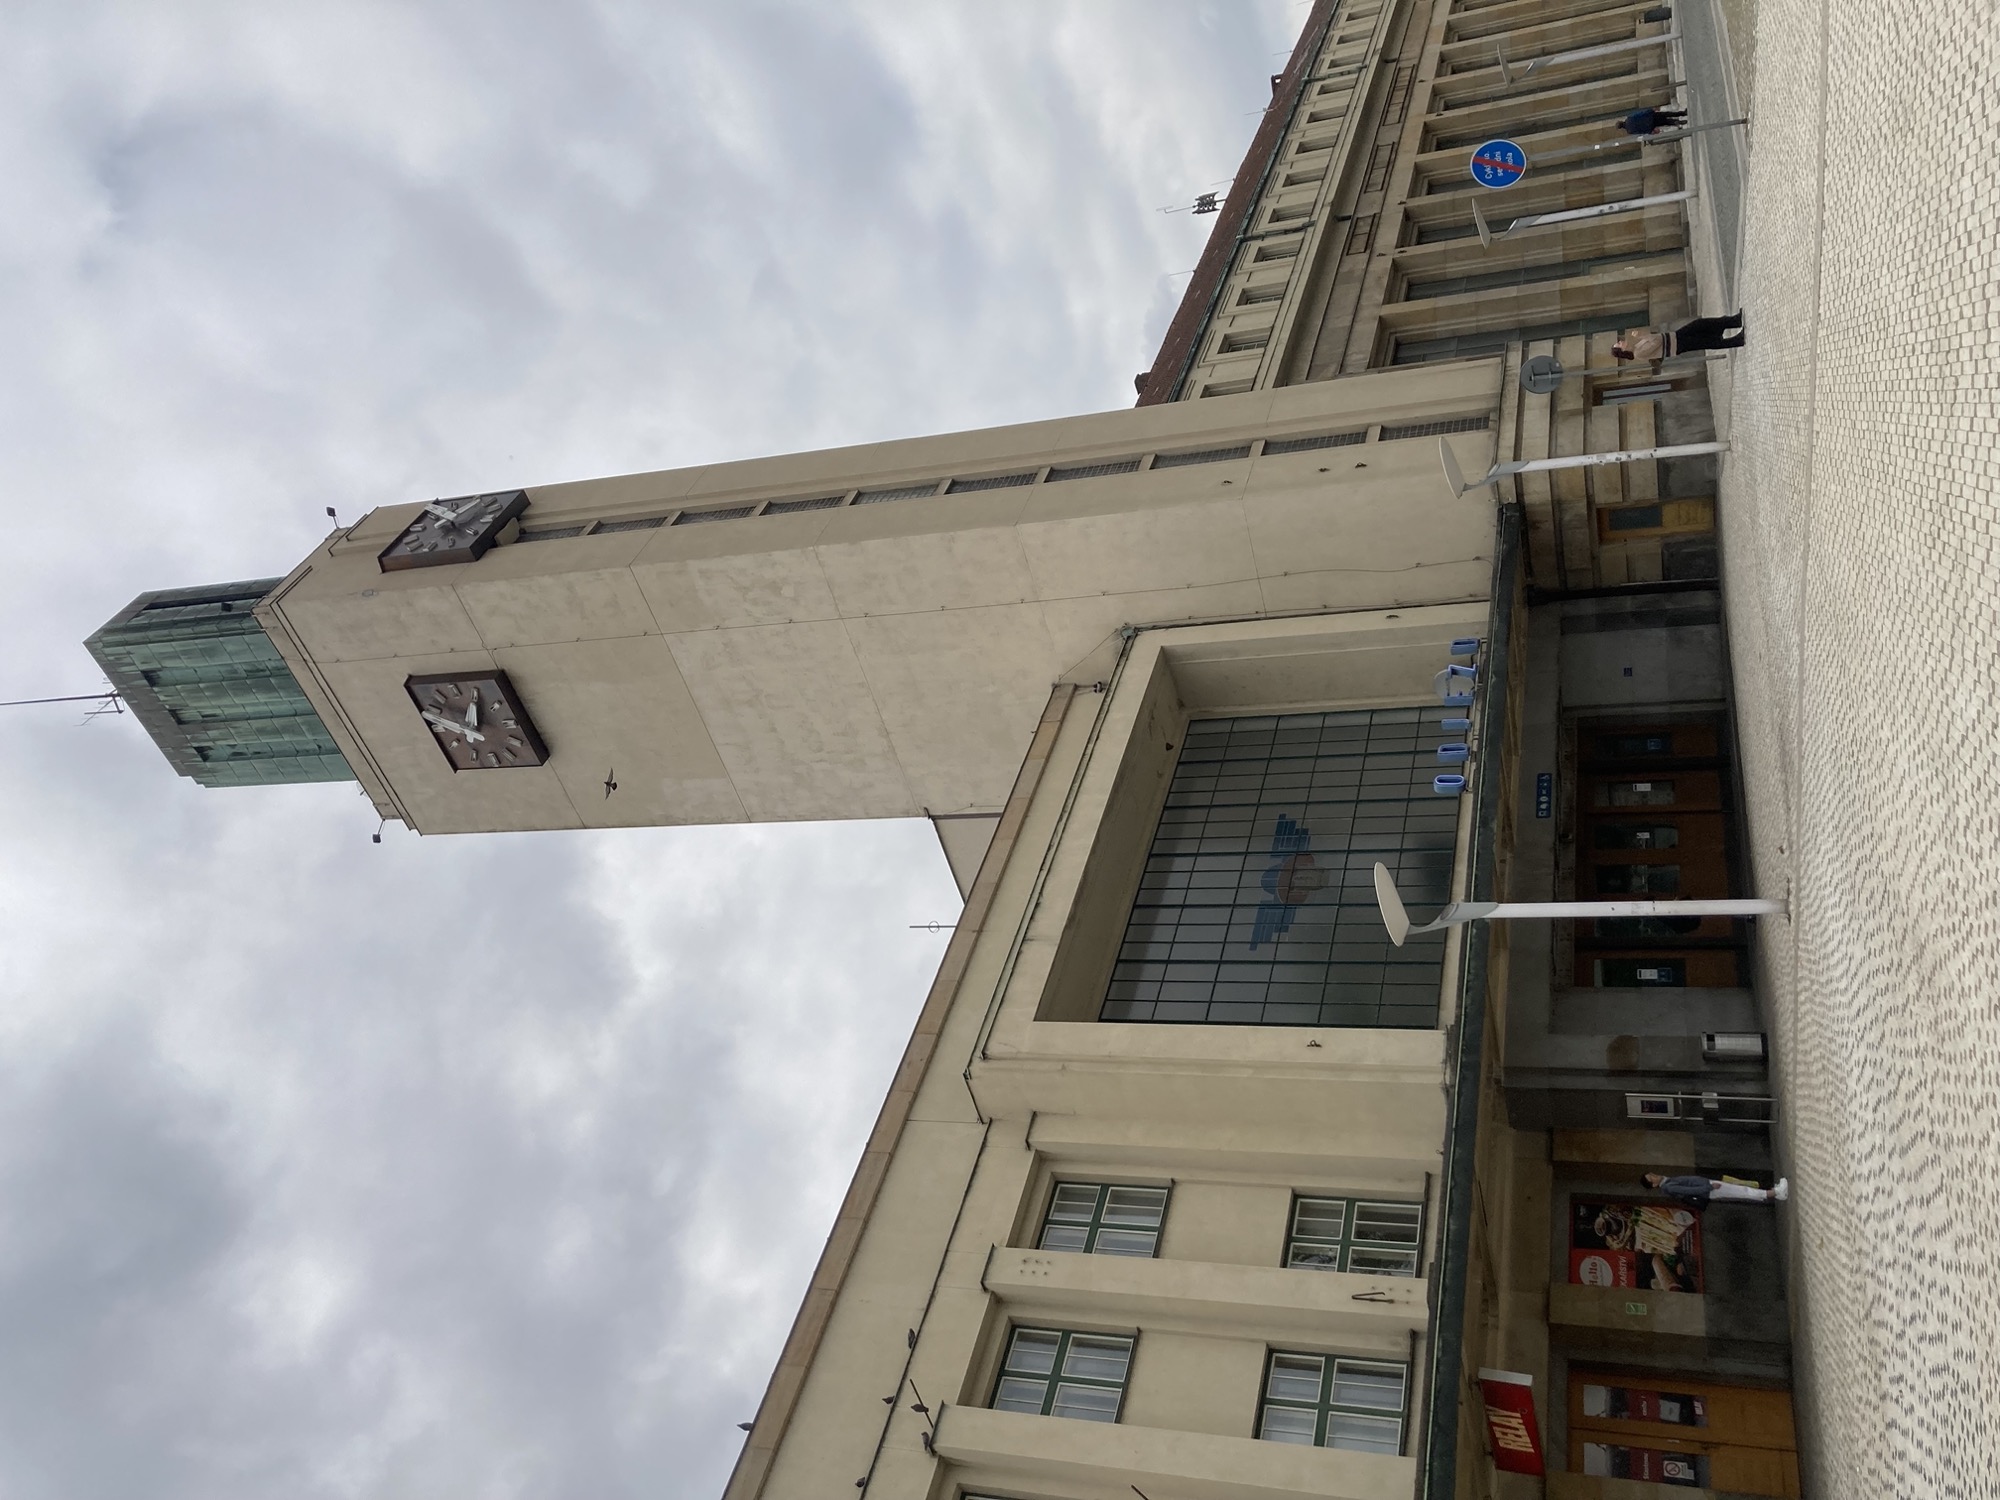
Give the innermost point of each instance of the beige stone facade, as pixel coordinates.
(884, 653)
(1263, 1251)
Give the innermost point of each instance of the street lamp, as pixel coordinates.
(1455, 476)
(1397, 920)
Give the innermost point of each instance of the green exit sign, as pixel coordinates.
(1636, 1309)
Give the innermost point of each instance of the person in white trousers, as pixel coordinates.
(1708, 1189)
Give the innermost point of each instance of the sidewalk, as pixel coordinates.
(1859, 515)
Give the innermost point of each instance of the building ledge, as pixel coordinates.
(1366, 1314)
(1000, 1447)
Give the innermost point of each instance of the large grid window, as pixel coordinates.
(1332, 1402)
(1355, 1234)
(1257, 905)
(1100, 1218)
(1052, 1372)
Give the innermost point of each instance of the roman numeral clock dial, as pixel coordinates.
(477, 720)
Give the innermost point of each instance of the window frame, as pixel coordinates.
(1095, 1226)
(1323, 1408)
(1058, 1377)
(1345, 1245)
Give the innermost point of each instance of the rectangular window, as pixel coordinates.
(1646, 1465)
(793, 507)
(1432, 429)
(1257, 904)
(1055, 1373)
(549, 533)
(1669, 517)
(1638, 880)
(1273, 291)
(1333, 1402)
(1093, 471)
(727, 513)
(1355, 1234)
(1495, 341)
(990, 482)
(1238, 343)
(642, 523)
(1202, 456)
(897, 492)
(1317, 441)
(1100, 1218)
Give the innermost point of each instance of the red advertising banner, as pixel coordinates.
(1510, 1421)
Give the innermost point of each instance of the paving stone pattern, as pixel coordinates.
(1859, 522)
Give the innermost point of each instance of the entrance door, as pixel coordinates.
(1682, 1431)
(1652, 822)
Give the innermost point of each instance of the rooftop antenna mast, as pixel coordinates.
(109, 702)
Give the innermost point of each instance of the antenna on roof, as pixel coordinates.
(111, 702)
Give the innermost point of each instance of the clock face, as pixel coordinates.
(452, 531)
(477, 720)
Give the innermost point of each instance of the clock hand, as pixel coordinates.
(472, 735)
(443, 512)
(472, 713)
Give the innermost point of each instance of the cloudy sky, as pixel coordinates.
(286, 1206)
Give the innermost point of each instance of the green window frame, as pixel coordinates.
(1104, 1218)
(1057, 1372)
(1370, 1236)
(1333, 1401)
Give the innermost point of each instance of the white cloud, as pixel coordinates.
(491, 1166)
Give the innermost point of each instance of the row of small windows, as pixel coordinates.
(1270, 447)
(1363, 1236)
(1319, 1400)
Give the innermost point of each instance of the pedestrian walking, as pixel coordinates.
(1693, 336)
(1701, 1190)
(1652, 118)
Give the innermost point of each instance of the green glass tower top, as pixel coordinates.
(198, 671)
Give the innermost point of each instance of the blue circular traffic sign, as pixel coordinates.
(1499, 164)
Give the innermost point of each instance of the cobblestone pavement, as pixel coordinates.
(1859, 524)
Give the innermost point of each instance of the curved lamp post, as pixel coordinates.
(1397, 920)
(1460, 485)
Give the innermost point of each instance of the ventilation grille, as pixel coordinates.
(1204, 456)
(550, 534)
(793, 507)
(645, 523)
(1431, 429)
(1318, 440)
(900, 492)
(733, 513)
(992, 482)
(1093, 471)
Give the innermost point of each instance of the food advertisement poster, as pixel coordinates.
(1652, 1247)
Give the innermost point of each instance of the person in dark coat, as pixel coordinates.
(1695, 335)
(1701, 1191)
(1646, 121)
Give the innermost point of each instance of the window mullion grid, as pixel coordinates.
(1058, 1378)
(1096, 1219)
